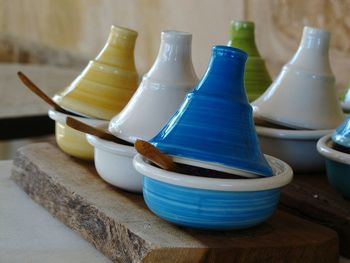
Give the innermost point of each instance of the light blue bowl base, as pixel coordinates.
(208, 209)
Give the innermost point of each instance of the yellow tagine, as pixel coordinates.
(101, 90)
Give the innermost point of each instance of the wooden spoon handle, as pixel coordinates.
(155, 155)
(30, 85)
(86, 128)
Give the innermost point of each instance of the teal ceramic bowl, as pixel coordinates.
(337, 165)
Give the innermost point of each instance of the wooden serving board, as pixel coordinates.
(313, 198)
(119, 224)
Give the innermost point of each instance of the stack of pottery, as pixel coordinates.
(214, 129)
(300, 106)
(256, 77)
(336, 149)
(158, 96)
(346, 102)
(100, 91)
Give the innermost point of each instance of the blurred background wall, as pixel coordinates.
(69, 32)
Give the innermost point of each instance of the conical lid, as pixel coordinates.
(108, 82)
(257, 78)
(341, 135)
(215, 124)
(161, 91)
(303, 96)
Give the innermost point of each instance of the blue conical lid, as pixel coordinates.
(215, 122)
(341, 135)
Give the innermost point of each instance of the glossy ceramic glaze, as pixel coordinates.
(346, 102)
(303, 96)
(337, 164)
(214, 124)
(113, 163)
(341, 135)
(212, 203)
(256, 79)
(70, 140)
(108, 82)
(295, 147)
(101, 90)
(161, 91)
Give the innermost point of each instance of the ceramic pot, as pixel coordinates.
(295, 147)
(341, 135)
(303, 96)
(101, 90)
(212, 203)
(113, 163)
(70, 140)
(161, 91)
(214, 124)
(337, 164)
(256, 78)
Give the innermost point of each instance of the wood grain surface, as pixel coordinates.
(119, 224)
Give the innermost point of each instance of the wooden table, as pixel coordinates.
(120, 225)
(22, 114)
(28, 233)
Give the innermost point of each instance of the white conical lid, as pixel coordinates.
(303, 95)
(161, 91)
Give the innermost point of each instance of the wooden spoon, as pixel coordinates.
(35, 89)
(165, 162)
(86, 128)
(154, 155)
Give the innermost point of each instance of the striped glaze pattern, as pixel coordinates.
(209, 209)
(256, 78)
(214, 123)
(108, 82)
(73, 142)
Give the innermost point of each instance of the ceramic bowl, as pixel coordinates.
(212, 203)
(295, 147)
(113, 163)
(71, 141)
(214, 123)
(337, 164)
(341, 135)
(161, 91)
(303, 96)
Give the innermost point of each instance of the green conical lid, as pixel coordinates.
(242, 37)
(256, 78)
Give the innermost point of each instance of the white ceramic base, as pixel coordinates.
(113, 163)
(295, 147)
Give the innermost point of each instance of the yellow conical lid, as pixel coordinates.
(108, 82)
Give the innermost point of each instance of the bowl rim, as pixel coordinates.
(111, 147)
(216, 184)
(61, 118)
(291, 134)
(330, 153)
(281, 121)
